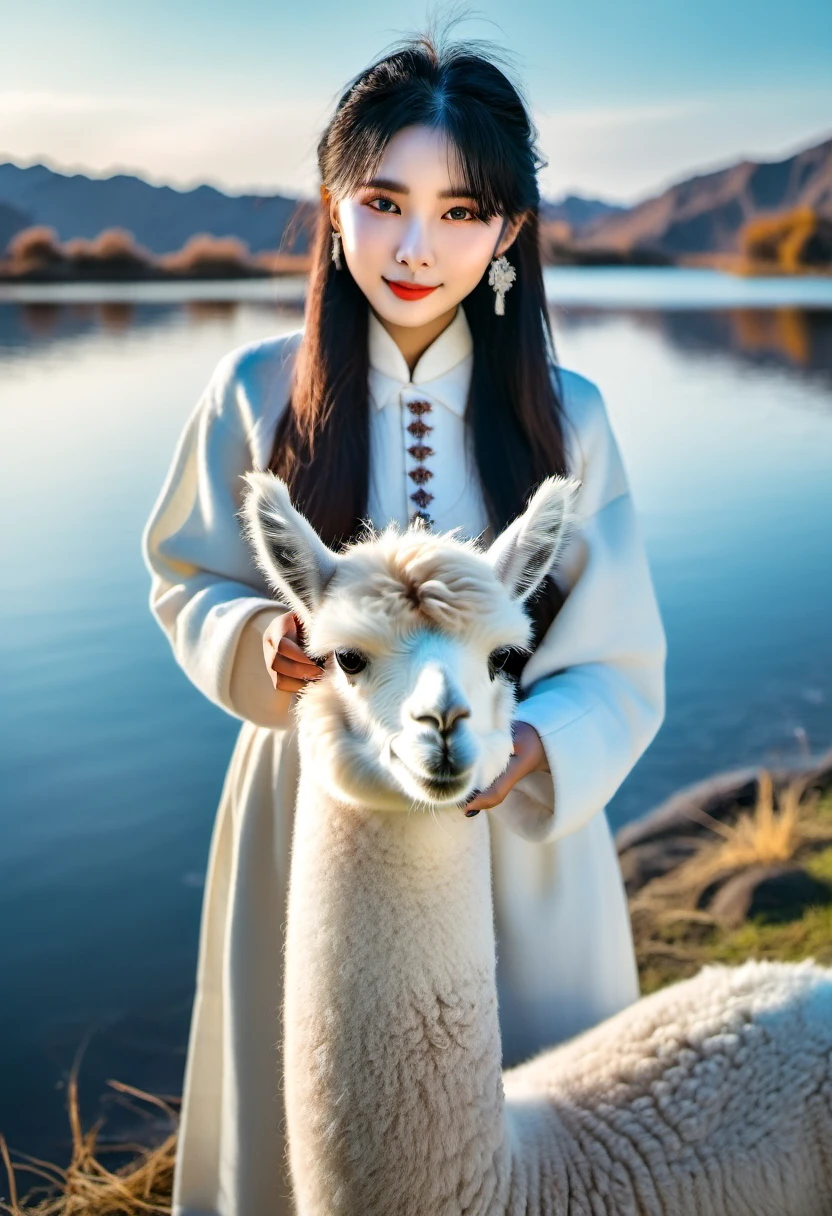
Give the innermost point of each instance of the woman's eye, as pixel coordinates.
(387, 207)
(383, 209)
(498, 659)
(350, 661)
(467, 210)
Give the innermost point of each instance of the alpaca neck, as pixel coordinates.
(393, 1065)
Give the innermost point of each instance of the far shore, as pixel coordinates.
(790, 244)
(37, 256)
(293, 265)
(738, 264)
(279, 266)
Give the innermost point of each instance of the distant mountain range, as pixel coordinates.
(161, 218)
(702, 214)
(576, 211)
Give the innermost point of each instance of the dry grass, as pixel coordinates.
(116, 254)
(86, 1187)
(34, 246)
(792, 240)
(766, 835)
(674, 937)
(111, 245)
(770, 834)
(206, 254)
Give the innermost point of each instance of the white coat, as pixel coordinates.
(594, 691)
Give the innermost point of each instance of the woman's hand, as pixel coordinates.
(288, 667)
(528, 757)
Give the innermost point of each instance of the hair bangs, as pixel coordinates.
(480, 158)
(493, 161)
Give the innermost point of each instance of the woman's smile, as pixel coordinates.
(409, 291)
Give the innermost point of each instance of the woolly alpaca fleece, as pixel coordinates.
(712, 1097)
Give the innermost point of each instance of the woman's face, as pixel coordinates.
(409, 225)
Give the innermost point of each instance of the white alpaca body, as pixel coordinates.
(408, 965)
(711, 1098)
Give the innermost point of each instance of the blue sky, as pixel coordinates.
(628, 97)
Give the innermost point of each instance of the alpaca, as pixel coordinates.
(713, 1096)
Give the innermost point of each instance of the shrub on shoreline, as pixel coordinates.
(792, 241)
(37, 255)
(209, 257)
(114, 253)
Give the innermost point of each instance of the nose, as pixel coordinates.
(415, 249)
(437, 700)
(442, 718)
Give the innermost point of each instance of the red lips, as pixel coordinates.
(408, 291)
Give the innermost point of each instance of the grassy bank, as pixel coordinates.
(682, 920)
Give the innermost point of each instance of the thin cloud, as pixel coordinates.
(619, 153)
(606, 118)
(237, 146)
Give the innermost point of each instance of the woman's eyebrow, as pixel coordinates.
(386, 183)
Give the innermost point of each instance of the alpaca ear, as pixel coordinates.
(295, 561)
(524, 552)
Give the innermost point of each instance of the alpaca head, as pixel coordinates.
(412, 629)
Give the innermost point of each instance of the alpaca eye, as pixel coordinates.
(498, 659)
(350, 661)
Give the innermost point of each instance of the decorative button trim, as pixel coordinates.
(420, 474)
(420, 452)
(419, 429)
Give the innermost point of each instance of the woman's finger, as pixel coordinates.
(491, 797)
(496, 793)
(292, 651)
(486, 801)
(287, 684)
(289, 668)
(299, 671)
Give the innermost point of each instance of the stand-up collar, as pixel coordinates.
(443, 371)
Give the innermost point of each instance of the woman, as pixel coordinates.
(423, 382)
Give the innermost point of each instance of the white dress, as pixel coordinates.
(594, 691)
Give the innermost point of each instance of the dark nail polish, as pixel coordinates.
(468, 814)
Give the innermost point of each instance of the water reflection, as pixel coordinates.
(30, 327)
(793, 338)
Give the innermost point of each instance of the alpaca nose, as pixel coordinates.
(437, 700)
(442, 718)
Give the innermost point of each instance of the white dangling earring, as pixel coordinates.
(336, 248)
(501, 276)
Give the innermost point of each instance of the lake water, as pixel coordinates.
(111, 763)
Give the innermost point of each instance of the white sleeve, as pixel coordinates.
(594, 688)
(206, 592)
